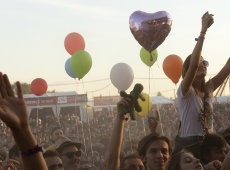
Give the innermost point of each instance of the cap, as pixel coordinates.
(64, 141)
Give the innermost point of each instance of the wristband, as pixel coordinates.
(122, 117)
(199, 39)
(203, 32)
(31, 152)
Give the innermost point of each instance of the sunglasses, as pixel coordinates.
(204, 63)
(71, 154)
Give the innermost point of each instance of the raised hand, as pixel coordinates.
(124, 102)
(205, 21)
(13, 110)
(214, 165)
(153, 122)
(9, 164)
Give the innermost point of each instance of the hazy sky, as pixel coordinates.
(32, 34)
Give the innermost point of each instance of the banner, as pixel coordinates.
(106, 100)
(57, 100)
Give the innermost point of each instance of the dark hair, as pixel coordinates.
(174, 163)
(185, 68)
(147, 140)
(1, 158)
(51, 153)
(211, 141)
(122, 164)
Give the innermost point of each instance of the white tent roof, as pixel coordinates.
(161, 100)
(51, 94)
(223, 99)
(91, 103)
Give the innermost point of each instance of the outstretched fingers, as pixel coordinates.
(19, 90)
(2, 87)
(157, 115)
(8, 86)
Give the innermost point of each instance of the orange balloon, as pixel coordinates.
(172, 67)
(74, 42)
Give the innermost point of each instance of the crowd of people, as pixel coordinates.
(193, 134)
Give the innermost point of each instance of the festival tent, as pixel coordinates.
(223, 99)
(99, 108)
(159, 100)
(60, 100)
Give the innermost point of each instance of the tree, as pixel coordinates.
(25, 88)
(159, 93)
(52, 91)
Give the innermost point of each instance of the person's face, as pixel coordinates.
(202, 70)
(94, 156)
(57, 134)
(54, 163)
(215, 154)
(134, 164)
(157, 155)
(70, 163)
(188, 162)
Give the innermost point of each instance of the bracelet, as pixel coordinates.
(31, 151)
(199, 39)
(122, 117)
(203, 32)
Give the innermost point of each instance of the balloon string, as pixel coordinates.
(88, 119)
(156, 60)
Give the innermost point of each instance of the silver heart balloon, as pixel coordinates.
(150, 29)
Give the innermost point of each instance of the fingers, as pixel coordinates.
(205, 14)
(2, 87)
(157, 115)
(19, 90)
(8, 86)
(124, 101)
(13, 161)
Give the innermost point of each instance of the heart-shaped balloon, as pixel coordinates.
(150, 29)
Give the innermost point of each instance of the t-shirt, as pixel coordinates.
(51, 147)
(191, 109)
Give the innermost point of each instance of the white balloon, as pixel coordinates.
(121, 75)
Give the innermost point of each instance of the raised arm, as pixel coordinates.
(153, 122)
(222, 75)
(196, 55)
(13, 112)
(113, 162)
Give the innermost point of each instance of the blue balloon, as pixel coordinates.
(69, 70)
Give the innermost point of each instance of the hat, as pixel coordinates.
(64, 141)
(223, 132)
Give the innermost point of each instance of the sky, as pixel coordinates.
(32, 34)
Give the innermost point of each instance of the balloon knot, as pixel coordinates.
(151, 57)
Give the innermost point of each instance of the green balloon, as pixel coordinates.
(81, 63)
(145, 56)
